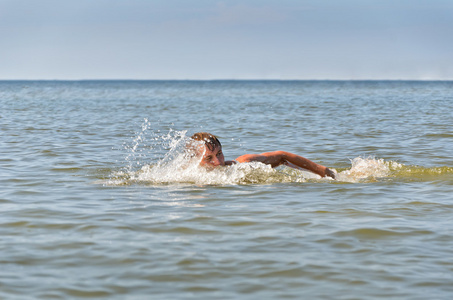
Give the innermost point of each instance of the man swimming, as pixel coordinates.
(209, 150)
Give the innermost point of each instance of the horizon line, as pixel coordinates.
(225, 79)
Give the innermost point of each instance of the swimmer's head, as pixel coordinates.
(207, 147)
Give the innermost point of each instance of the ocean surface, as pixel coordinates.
(96, 202)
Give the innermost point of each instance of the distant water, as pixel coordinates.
(95, 204)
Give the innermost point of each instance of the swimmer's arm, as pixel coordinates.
(278, 158)
(230, 162)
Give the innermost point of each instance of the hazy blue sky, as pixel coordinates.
(209, 39)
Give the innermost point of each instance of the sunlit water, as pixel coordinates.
(97, 201)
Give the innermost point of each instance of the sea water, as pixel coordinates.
(97, 201)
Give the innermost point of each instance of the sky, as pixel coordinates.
(230, 39)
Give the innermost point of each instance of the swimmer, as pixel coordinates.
(211, 155)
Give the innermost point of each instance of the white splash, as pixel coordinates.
(368, 169)
(162, 158)
(182, 172)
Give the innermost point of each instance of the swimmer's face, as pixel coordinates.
(211, 158)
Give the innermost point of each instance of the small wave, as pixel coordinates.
(372, 169)
(367, 169)
(419, 173)
(375, 233)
